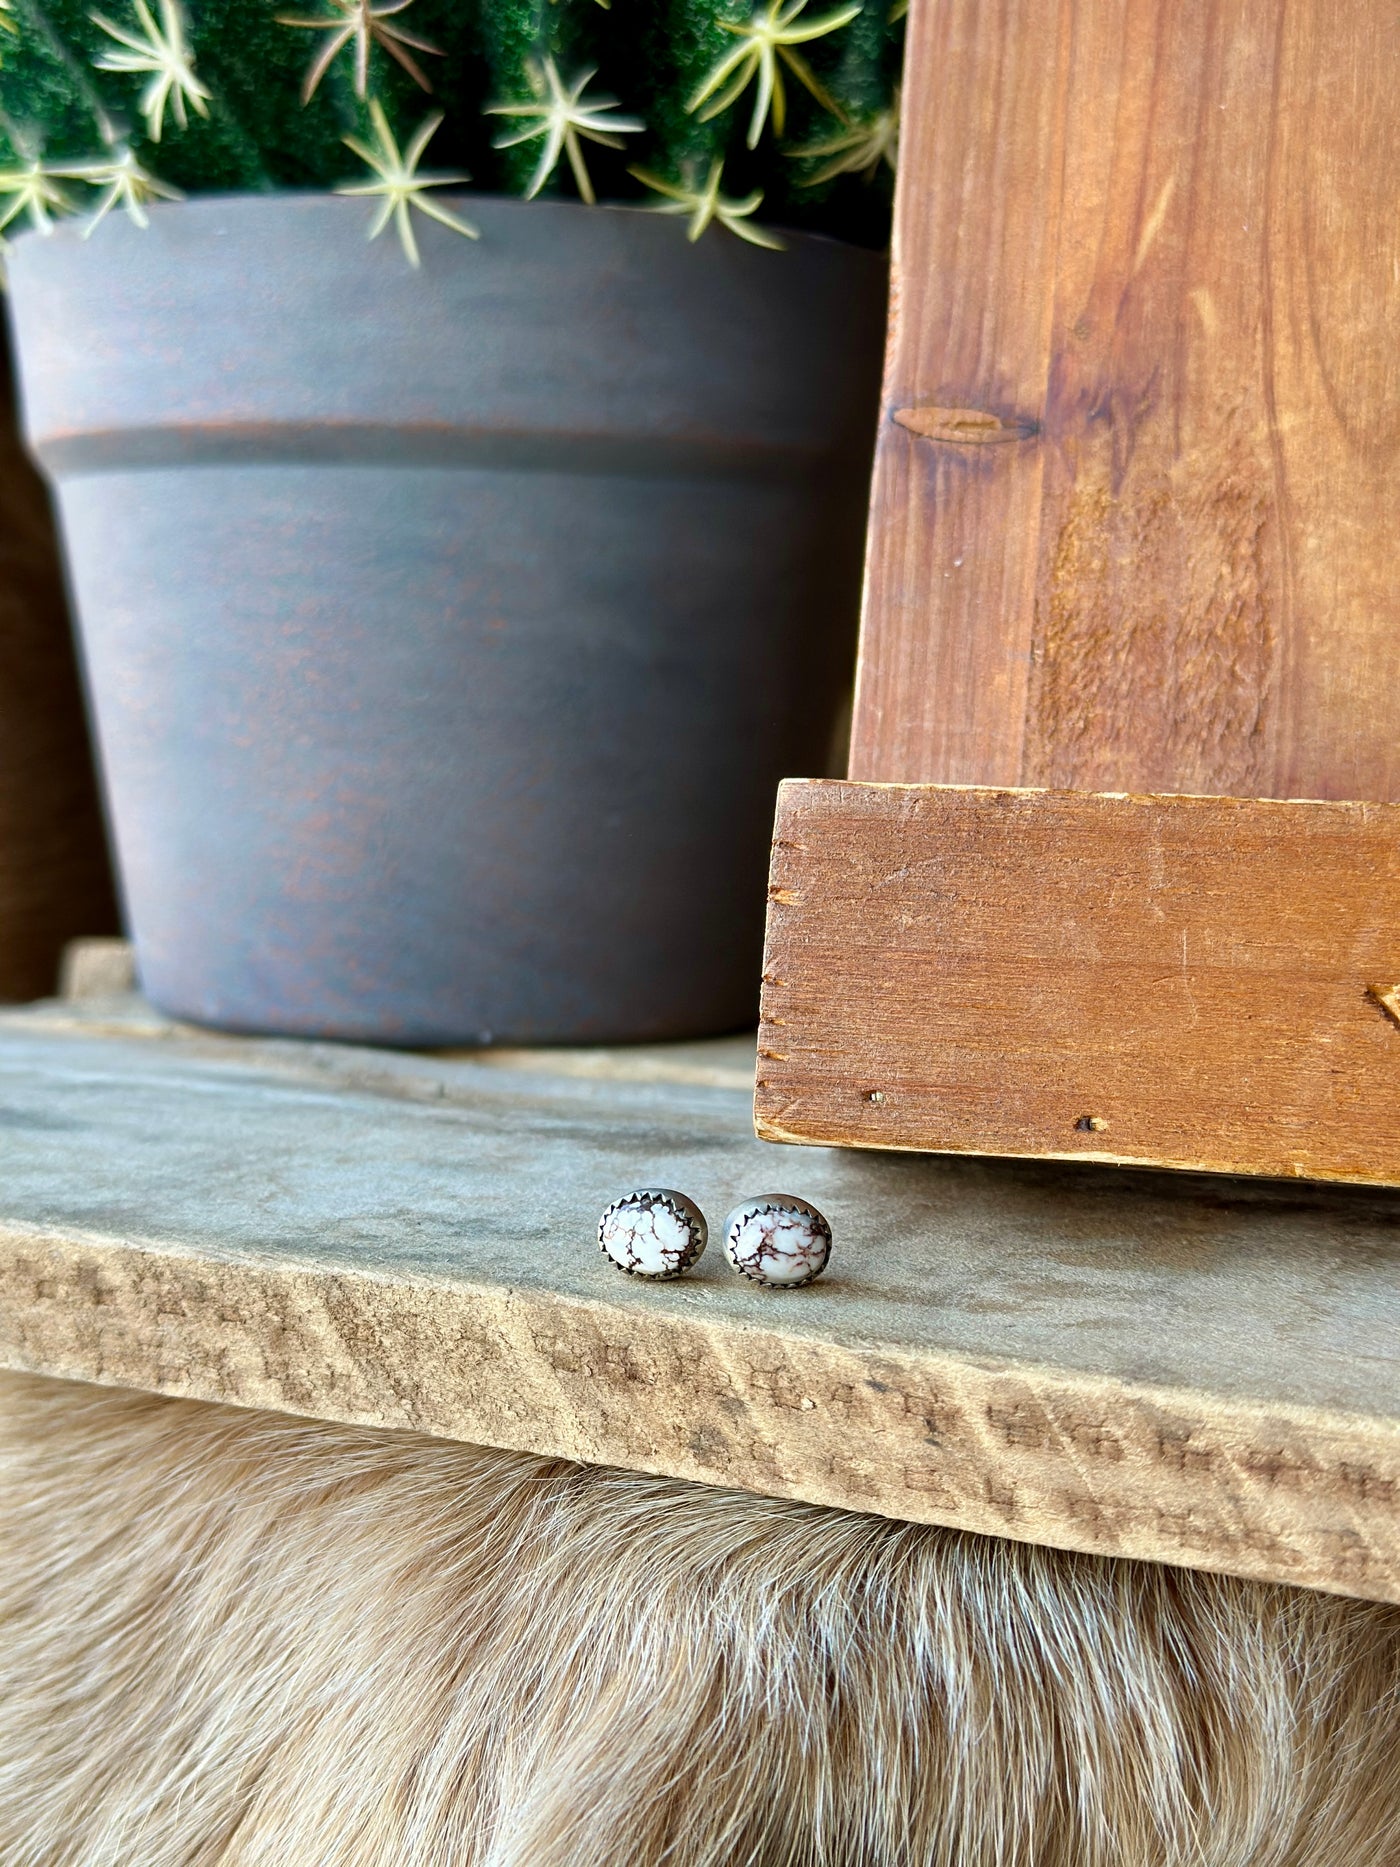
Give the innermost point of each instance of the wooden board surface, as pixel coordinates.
(1197, 1372)
(1158, 244)
(1188, 982)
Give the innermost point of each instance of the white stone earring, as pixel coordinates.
(653, 1232)
(777, 1240)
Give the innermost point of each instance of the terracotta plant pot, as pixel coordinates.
(447, 632)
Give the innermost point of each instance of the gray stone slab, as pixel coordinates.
(1204, 1372)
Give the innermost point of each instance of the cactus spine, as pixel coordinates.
(110, 105)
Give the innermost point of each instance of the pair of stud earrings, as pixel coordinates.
(776, 1239)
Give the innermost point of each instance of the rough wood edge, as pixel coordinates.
(771, 1125)
(1087, 1463)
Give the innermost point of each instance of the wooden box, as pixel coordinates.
(1128, 591)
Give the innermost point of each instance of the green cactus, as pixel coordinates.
(714, 109)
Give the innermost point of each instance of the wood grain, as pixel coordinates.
(1197, 1372)
(1159, 243)
(1183, 981)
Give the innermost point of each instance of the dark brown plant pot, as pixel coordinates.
(55, 879)
(448, 632)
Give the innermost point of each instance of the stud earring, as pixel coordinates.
(777, 1240)
(653, 1233)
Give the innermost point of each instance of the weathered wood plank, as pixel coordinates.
(1158, 242)
(1199, 1372)
(1174, 981)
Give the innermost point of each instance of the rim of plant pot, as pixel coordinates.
(596, 289)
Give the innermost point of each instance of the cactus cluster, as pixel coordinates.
(741, 114)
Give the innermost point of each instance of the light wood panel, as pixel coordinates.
(1198, 1372)
(1181, 981)
(1159, 243)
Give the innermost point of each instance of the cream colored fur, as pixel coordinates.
(236, 1640)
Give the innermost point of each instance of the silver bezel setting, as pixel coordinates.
(644, 1199)
(776, 1203)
